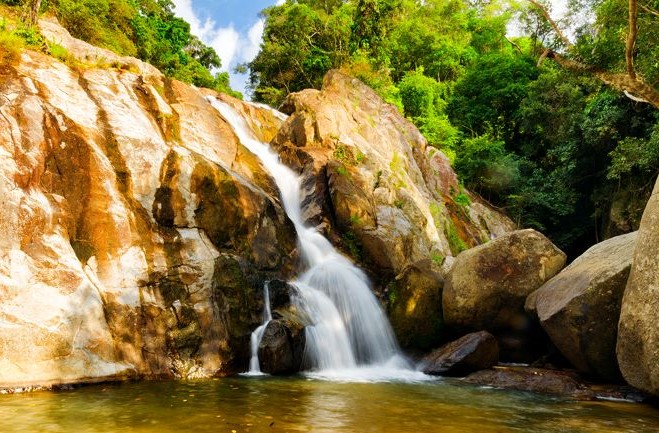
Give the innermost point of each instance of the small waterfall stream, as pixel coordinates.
(351, 331)
(257, 335)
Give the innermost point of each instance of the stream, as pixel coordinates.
(303, 404)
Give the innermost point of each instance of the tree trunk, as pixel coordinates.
(35, 5)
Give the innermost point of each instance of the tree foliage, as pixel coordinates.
(147, 29)
(552, 145)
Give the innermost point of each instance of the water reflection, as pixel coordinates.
(265, 404)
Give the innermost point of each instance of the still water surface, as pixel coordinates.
(266, 404)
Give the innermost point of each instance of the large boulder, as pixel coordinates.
(281, 349)
(473, 352)
(487, 286)
(638, 329)
(389, 199)
(415, 306)
(580, 307)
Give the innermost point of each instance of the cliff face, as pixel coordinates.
(137, 231)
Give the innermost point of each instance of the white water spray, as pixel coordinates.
(350, 331)
(257, 335)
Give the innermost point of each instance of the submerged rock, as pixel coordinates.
(638, 329)
(579, 308)
(487, 286)
(534, 380)
(473, 352)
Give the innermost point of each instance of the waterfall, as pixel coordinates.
(257, 335)
(351, 330)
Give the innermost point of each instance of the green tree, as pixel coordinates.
(486, 99)
(619, 48)
(301, 42)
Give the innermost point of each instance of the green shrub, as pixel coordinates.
(456, 244)
(10, 47)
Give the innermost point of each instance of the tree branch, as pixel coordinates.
(649, 10)
(517, 47)
(623, 82)
(631, 38)
(551, 22)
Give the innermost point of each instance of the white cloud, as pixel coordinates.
(253, 42)
(233, 47)
(183, 9)
(226, 41)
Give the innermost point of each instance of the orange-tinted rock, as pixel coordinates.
(390, 196)
(137, 231)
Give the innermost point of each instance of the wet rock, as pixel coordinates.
(473, 352)
(281, 293)
(415, 306)
(579, 308)
(282, 347)
(487, 286)
(638, 330)
(533, 380)
(130, 216)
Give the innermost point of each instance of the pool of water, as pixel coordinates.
(303, 404)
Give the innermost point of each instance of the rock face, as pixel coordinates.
(580, 307)
(374, 184)
(487, 286)
(638, 330)
(387, 199)
(281, 349)
(415, 306)
(137, 231)
(473, 352)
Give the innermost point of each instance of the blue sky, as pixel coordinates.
(232, 27)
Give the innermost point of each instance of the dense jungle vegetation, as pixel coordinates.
(146, 29)
(559, 126)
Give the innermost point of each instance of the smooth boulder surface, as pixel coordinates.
(415, 306)
(638, 330)
(473, 352)
(281, 349)
(580, 307)
(487, 285)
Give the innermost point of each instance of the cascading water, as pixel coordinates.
(257, 335)
(350, 329)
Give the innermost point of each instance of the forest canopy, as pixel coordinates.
(552, 125)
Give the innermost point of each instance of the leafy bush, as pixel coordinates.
(10, 47)
(485, 165)
(635, 155)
